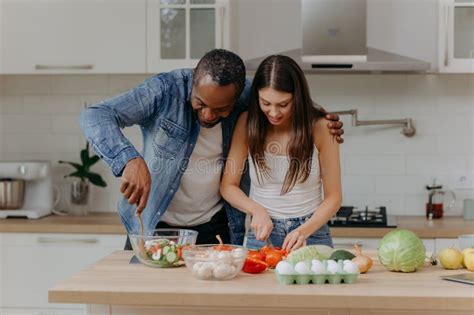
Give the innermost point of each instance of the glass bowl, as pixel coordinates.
(208, 262)
(163, 247)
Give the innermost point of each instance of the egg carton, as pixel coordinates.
(314, 278)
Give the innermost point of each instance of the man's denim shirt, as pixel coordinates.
(161, 106)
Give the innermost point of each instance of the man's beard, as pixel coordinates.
(205, 124)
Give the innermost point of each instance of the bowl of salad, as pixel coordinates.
(214, 262)
(162, 248)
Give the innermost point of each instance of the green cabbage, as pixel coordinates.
(309, 252)
(402, 250)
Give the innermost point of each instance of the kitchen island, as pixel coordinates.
(113, 286)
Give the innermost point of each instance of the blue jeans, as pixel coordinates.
(282, 227)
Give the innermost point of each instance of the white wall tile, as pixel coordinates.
(26, 84)
(25, 124)
(79, 84)
(458, 144)
(65, 124)
(358, 184)
(374, 165)
(120, 84)
(435, 165)
(11, 104)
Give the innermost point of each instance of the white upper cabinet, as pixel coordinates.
(456, 36)
(180, 32)
(405, 27)
(72, 36)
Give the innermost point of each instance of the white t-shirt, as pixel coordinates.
(198, 197)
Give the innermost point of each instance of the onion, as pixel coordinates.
(364, 263)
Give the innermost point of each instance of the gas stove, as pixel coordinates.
(349, 216)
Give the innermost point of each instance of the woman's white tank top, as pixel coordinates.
(302, 200)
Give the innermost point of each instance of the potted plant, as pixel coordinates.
(80, 188)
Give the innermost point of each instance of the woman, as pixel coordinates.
(292, 156)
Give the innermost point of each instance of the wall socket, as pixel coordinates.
(465, 182)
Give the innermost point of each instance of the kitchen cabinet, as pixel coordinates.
(72, 36)
(404, 27)
(260, 28)
(180, 32)
(456, 36)
(31, 263)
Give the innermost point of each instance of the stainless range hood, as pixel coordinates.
(335, 40)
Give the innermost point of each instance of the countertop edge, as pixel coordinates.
(205, 300)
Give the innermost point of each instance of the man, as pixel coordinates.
(187, 118)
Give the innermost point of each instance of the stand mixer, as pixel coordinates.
(34, 185)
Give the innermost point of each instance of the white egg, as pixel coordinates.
(346, 261)
(302, 268)
(316, 262)
(334, 268)
(318, 269)
(284, 268)
(350, 267)
(331, 262)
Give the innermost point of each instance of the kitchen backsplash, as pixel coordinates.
(39, 120)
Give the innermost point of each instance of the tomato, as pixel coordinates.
(273, 258)
(253, 265)
(256, 255)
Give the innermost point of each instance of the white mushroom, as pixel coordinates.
(222, 271)
(205, 271)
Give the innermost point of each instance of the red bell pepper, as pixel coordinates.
(253, 265)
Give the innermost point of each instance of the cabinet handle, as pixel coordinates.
(446, 37)
(52, 240)
(222, 13)
(64, 67)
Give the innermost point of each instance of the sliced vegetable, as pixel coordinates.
(256, 254)
(273, 258)
(253, 265)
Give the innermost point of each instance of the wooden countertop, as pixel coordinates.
(447, 227)
(113, 281)
(94, 223)
(109, 223)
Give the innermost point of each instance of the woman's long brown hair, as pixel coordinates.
(283, 74)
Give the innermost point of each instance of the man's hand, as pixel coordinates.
(335, 127)
(261, 225)
(136, 183)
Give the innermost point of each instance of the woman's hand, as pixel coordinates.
(261, 225)
(294, 240)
